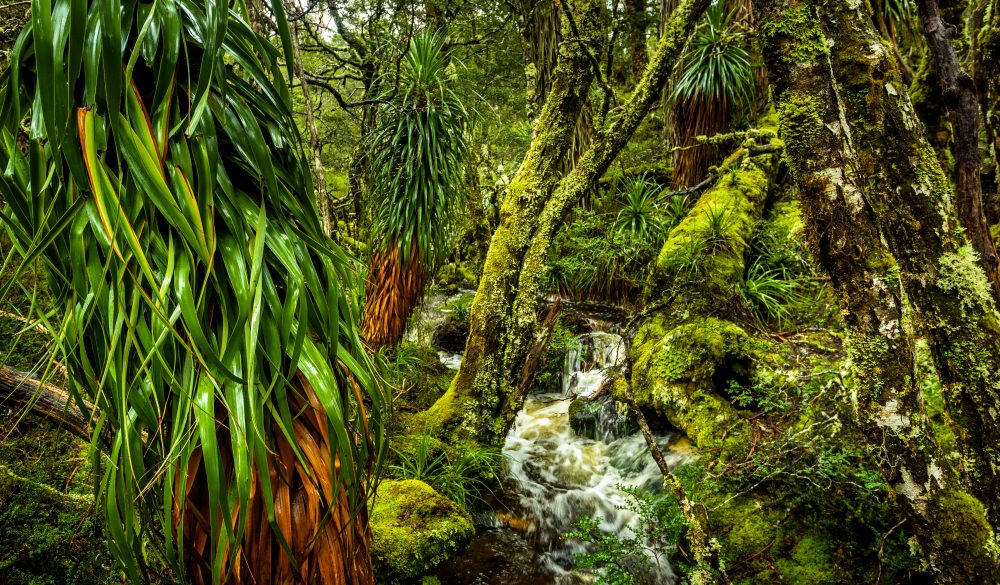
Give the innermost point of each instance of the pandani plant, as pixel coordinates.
(150, 162)
(415, 181)
(716, 80)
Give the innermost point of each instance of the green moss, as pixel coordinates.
(673, 371)
(418, 375)
(811, 562)
(414, 529)
(713, 238)
(801, 26)
(800, 123)
(748, 528)
(49, 529)
(867, 353)
(48, 537)
(960, 522)
(960, 274)
(455, 276)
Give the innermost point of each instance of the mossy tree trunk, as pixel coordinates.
(685, 337)
(959, 93)
(503, 318)
(540, 26)
(882, 222)
(987, 75)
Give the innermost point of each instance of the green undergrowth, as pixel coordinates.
(416, 375)
(50, 530)
(604, 249)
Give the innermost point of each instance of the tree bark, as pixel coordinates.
(318, 172)
(987, 74)
(638, 22)
(47, 401)
(881, 221)
(541, 36)
(504, 312)
(959, 93)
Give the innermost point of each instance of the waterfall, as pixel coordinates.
(558, 476)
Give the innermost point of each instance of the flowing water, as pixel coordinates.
(558, 476)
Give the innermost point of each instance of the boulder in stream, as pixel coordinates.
(451, 334)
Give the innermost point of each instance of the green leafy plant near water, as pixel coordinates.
(640, 557)
(464, 478)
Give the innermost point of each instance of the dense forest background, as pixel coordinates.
(371, 292)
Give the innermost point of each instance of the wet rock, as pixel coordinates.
(603, 419)
(414, 529)
(615, 421)
(451, 334)
(583, 416)
(502, 557)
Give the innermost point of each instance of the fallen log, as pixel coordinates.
(20, 391)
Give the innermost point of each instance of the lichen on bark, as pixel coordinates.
(881, 219)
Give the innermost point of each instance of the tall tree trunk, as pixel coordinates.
(959, 93)
(318, 172)
(482, 401)
(637, 24)
(541, 35)
(881, 221)
(987, 74)
(925, 84)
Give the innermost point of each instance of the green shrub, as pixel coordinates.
(641, 556)
(462, 478)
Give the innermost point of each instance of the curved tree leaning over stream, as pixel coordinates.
(488, 390)
(204, 310)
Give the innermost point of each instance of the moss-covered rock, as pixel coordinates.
(583, 415)
(414, 529)
(451, 334)
(675, 371)
(454, 277)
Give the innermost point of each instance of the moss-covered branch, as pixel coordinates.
(45, 400)
(504, 313)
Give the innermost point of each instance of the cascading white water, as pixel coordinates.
(556, 475)
(559, 476)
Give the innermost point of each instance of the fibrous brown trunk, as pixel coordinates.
(327, 538)
(394, 288)
(881, 221)
(504, 312)
(959, 93)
